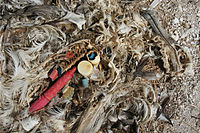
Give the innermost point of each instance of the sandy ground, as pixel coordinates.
(182, 20)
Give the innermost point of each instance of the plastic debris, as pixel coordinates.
(85, 68)
(52, 91)
(85, 83)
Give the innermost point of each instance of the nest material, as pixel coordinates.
(120, 97)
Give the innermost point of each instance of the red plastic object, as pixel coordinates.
(54, 74)
(52, 91)
(69, 54)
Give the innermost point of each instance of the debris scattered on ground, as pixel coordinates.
(99, 66)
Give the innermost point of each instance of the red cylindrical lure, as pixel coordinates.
(52, 91)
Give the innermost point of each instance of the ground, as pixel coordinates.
(182, 20)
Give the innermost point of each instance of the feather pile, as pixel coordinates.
(34, 36)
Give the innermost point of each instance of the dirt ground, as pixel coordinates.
(182, 20)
